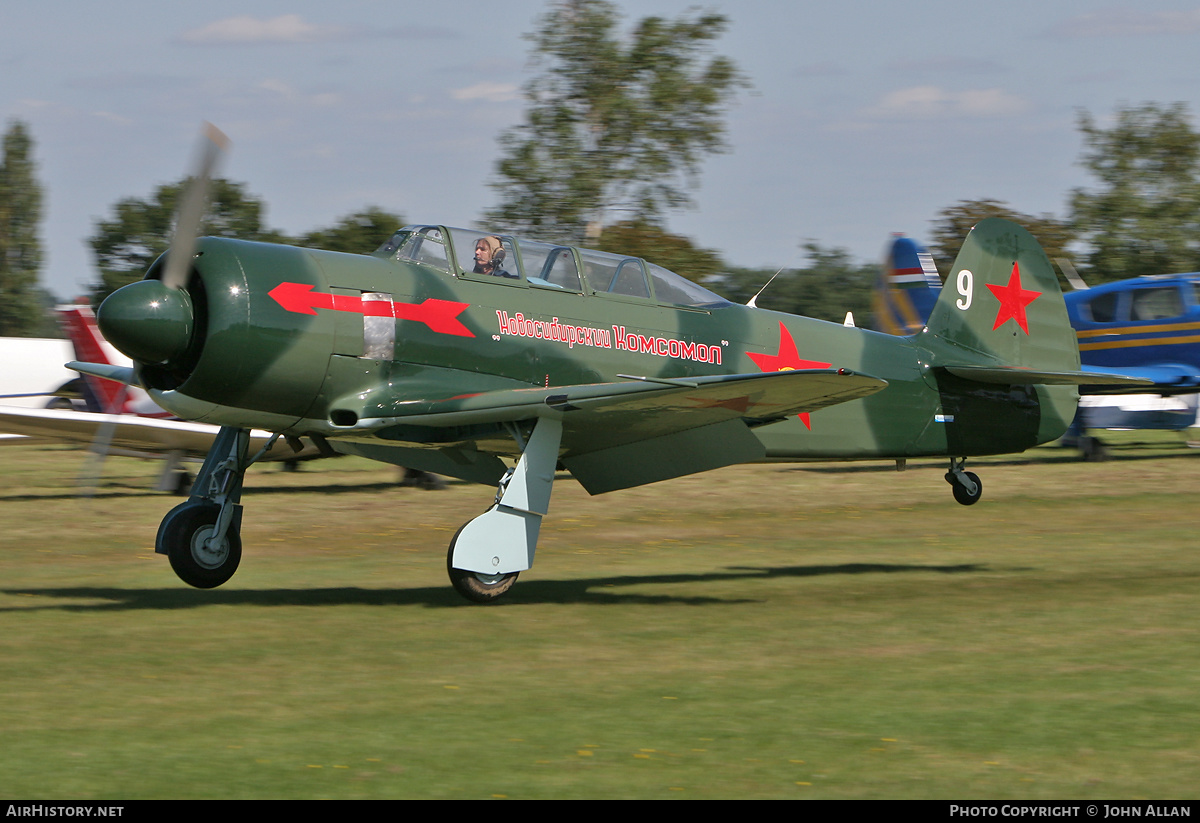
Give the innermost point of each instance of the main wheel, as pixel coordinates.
(476, 587)
(960, 491)
(180, 483)
(185, 533)
(1092, 449)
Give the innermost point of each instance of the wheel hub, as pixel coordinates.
(207, 555)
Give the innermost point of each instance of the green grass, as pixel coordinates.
(760, 631)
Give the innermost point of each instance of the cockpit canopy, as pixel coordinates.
(500, 258)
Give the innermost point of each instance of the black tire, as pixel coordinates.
(1092, 449)
(181, 483)
(182, 535)
(478, 588)
(960, 491)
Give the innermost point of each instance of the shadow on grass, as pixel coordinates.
(1042, 456)
(115, 490)
(598, 591)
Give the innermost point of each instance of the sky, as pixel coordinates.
(864, 117)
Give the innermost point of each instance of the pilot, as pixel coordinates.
(489, 257)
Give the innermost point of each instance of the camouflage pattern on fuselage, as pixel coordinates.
(359, 348)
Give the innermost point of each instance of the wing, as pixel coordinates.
(139, 436)
(1165, 379)
(615, 435)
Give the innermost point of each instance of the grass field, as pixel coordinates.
(761, 631)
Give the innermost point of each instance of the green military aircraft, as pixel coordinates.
(452, 350)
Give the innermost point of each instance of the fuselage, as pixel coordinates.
(305, 342)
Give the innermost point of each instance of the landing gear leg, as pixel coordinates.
(489, 552)
(174, 478)
(1092, 449)
(202, 536)
(967, 486)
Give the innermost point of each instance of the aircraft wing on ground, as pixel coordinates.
(143, 436)
(124, 420)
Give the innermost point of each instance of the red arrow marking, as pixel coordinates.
(440, 316)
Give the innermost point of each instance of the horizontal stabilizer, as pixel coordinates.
(1165, 379)
(1019, 376)
(120, 374)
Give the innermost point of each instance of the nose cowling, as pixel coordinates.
(149, 322)
(223, 348)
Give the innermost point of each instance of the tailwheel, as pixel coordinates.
(967, 486)
(476, 586)
(186, 535)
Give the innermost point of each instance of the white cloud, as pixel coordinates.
(491, 92)
(245, 30)
(928, 102)
(1126, 22)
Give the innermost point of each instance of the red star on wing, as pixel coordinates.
(1013, 300)
(787, 359)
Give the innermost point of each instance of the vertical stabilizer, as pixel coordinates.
(999, 346)
(1001, 305)
(105, 396)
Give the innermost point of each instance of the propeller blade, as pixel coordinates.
(89, 474)
(191, 208)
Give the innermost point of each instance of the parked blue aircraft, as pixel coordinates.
(1147, 326)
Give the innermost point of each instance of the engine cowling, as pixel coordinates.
(222, 342)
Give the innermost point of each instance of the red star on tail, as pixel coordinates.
(787, 359)
(1013, 300)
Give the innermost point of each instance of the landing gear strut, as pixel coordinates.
(967, 486)
(489, 551)
(202, 536)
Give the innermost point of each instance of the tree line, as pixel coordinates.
(139, 230)
(615, 130)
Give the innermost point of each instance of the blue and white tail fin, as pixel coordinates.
(906, 289)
